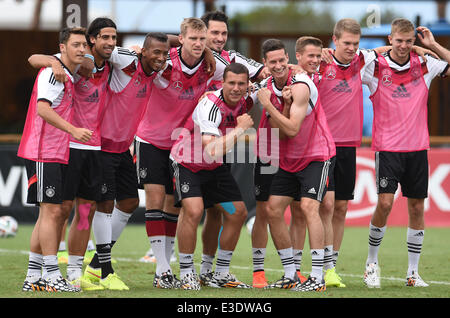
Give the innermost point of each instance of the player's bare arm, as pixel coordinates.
(50, 116)
(427, 39)
(290, 126)
(217, 147)
(40, 61)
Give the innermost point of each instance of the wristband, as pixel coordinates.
(90, 56)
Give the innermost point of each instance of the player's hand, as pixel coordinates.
(135, 48)
(210, 62)
(422, 51)
(244, 121)
(425, 36)
(264, 96)
(265, 73)
(296, 69)
(58, 71)
(81, 134)
(327, 55)
(86, 68)
(287, 95)
(205, 94)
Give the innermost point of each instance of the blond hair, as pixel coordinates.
(346, 25)
(193, 23)
(303, 41)
(401, 25)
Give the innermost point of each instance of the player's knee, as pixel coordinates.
(384, 206)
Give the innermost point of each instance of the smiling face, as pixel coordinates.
(154, 54)
(309, 58)
(105, 42)
(402, 43)
(277, 64)
(74, 49)
(216, 35)
(234, 87)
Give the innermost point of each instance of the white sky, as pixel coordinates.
(166, 15)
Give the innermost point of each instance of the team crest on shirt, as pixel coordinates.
(330, 74)
(84, 84)
(386, 79)
(178, 85)
(185, 187)
(104, 188)
(138, 80)
(50, 191)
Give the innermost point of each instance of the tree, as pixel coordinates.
(291, 17)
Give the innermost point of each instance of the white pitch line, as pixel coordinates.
(132, 260)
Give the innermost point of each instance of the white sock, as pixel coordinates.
(287, 260)
(317, 263)
(186, 264)
(51, 269)
(74, 267)
(335, 257)
(170, 247)
(298, 255)
(101, 226)
(118, 222)
(223, 261)
(328, 257)
(414, 240)
(258, 256)
(158, 244)
(376, 234)
(35, 264)
(207, 263)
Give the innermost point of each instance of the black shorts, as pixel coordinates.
(410, 169)
(153, 166)
(119, 179)
(344, 173)
(310, 182)
(45, 182)
(263, 176)
(84, 175)
(214, 186)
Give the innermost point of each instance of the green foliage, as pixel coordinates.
(292, 17)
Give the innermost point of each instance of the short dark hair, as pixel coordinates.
(303, 41)
(236, 68)
(158, 36)
(96, 26)
(272, 45)
(214, 16)
(65, 33)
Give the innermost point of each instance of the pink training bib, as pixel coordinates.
(312, 143)
(124, 111)
(341, 94)
(265, 149)
(188, 150)
(169, 108)
(41, 141)
(90, 95)
(400, 108)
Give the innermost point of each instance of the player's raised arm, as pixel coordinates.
(427, 38)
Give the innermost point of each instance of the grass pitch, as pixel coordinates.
(434, 268)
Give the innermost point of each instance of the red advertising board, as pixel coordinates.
(437, 205)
